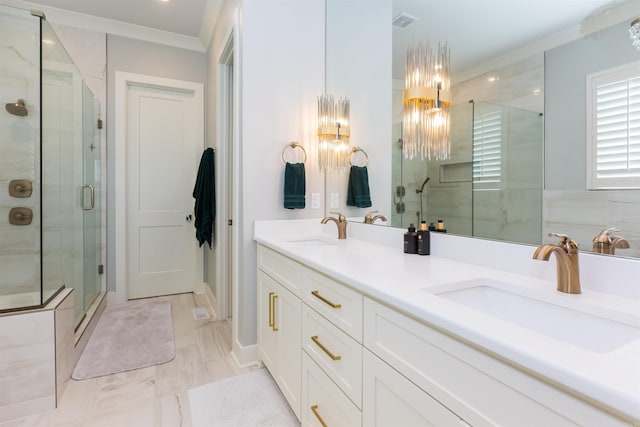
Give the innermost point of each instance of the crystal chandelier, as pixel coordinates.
(634, 33)
(333, 133)
(426, 99)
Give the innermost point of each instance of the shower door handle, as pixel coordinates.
(92, 198)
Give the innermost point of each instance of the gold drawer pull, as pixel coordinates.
(325, 349)
(274, 327)
(324, 300)
(314, 409)
(271, 309)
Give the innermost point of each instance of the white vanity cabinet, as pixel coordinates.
(390, 399)
(279, 320)
(342, 358)
(479, 388)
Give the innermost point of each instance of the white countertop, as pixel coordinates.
(386, 274)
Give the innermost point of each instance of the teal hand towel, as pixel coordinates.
(358, 188)
(294, 186)
(205, 194)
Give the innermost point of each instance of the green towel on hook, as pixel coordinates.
(205, 194)
(294, 186)
(358, 189)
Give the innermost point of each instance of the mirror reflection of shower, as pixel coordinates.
(421, 191)
(18, 108)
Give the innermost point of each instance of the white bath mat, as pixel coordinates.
(128, 336)
(248, 400)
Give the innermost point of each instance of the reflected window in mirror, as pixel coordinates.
(613, 128)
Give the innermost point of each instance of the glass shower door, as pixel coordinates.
(90, 202)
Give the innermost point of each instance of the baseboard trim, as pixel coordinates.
(211, 301)
(244, 356)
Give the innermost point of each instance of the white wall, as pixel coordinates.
(282, 73)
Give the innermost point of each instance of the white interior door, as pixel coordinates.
(164, 139)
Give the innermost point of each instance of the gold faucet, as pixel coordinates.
(368, 219)
(567, 259)
(341, 222)
(605, 243)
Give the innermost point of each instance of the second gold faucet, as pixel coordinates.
(567, 260)
(341, 222)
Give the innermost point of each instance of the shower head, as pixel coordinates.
(422, 186)
(18, 108)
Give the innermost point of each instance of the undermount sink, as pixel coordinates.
(547, 317)
(312, 242)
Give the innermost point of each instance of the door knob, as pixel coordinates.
(189, 218)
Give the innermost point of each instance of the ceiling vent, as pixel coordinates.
(403, 20)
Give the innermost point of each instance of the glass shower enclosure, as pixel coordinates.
(491, 187)
(50, 177)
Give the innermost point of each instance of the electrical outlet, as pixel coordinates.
(315, 200)
(335, 201)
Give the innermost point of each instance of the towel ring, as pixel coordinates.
(355, 150)
(293, 145)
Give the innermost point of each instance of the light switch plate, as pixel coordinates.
(335, 200)
(315, 200)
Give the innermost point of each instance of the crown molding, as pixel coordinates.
(109, 26)
(211, 12)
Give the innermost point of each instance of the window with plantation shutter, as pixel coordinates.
(487, 149)
(613, 128)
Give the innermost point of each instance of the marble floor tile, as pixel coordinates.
(152, 396)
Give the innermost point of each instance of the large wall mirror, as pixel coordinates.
(518, 166)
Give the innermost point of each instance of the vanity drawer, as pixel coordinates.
(339, 355)
(339, 304)
(477, 387)
(283, 269)
(323, 400)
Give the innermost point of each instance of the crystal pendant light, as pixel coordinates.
(426, 99)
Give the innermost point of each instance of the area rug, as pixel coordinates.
(247, 400)
(128, 336)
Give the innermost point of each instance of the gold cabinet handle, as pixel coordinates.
(325, 349)
(274, 327)
(271, 309)
(324, 300)
(314, 409)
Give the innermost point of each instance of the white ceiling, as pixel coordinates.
(476, 30)
(175, 16)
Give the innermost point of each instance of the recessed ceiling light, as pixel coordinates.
(492, 79)
(47, 41)
(537, 91)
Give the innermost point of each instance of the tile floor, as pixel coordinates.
(153, 396)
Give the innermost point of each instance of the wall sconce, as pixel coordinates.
(426, 99)
(333, 133)
(634, 33)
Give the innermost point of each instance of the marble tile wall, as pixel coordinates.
(19, 151)
(27, 372)
(582, 214)
(64, 344)
(37, 356)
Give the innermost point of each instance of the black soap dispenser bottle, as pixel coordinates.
(411, 240)
(424, 240)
